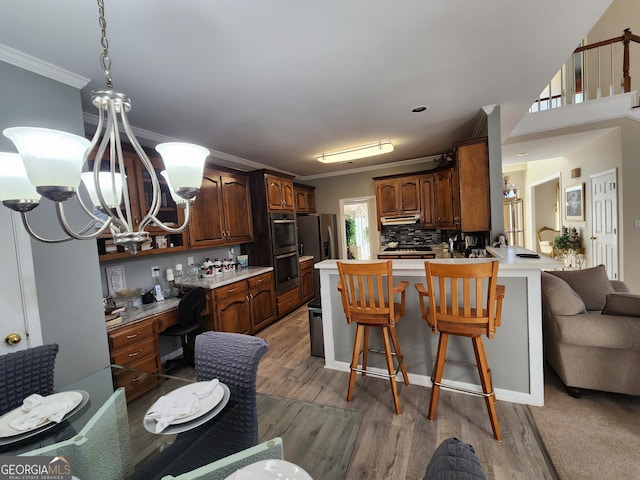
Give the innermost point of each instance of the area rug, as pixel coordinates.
(594, 437)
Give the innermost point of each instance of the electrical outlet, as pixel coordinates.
(231, 252)
(155, 271)
(636, 224)
(189, 260)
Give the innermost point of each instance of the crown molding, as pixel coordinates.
(46, 69)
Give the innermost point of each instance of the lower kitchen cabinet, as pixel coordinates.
(246, 306)
(288, 301)
(306, 280)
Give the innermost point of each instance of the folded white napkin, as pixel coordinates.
(41, 410)
(175, 406)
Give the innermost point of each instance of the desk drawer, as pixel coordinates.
(128, 335)
(134, 352)
(231, 290)
(136, 383)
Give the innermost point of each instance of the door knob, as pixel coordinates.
(12, 338)
(592, 238)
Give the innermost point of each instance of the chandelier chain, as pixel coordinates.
(105, 61)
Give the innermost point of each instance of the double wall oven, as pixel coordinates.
(284, 240)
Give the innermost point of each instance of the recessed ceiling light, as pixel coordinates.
(420, 109)
(522, 154)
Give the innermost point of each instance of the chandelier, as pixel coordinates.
(54, 164)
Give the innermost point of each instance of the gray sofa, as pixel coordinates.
(591, 329)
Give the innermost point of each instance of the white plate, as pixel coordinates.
(270, 470)
(210, 406)
(8, 434)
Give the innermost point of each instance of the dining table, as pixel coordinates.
(118, 439)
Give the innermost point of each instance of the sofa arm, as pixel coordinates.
(619, 286)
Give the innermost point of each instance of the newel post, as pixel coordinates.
(626, 79)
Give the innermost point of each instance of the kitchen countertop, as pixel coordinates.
(304, 258)
(223, 279)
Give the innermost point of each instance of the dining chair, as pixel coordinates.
(190, 322)
(468, 303)
(24, 373)
(367, 293)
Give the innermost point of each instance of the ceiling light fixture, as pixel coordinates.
(354, 153)
(54, 163)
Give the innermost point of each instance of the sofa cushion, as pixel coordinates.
(592, 284)
(599, 331)
(454, 459)
(559, 297)
(626, 304)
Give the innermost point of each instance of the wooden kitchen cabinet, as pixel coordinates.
(280, 193)
(305, 198)
(306, 280)
(140, 189)
(428, 200)
(288, 301)
(222, 212)
(472, 163)
(246, 306)
(398, 196)
(446, 195)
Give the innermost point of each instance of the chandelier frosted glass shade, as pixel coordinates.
(52, 159)
(179, 201)
(16, 191)
(110, 188)
(184, 163)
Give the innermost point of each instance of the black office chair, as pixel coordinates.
(190, 323)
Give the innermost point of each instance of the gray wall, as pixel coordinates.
(67, 274)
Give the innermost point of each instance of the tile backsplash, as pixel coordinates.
(408, 235)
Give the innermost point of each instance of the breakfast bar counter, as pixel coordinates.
(515, 354)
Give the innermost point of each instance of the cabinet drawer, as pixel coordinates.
(136, 382)
(122, 337)
(260, 280)
(134, 352)
(288, 301)
(231, 290)
(307, 265)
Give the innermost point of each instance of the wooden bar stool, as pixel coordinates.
(473, 314)
(368, 300)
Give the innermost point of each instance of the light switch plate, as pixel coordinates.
(155, 271)
(636, 224)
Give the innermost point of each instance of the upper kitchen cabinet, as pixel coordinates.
(280, 193)
(446, 199)
(222, 210)
(397, 196)
(428, 200)
(140, 188)
(305, 197)
(472, 163)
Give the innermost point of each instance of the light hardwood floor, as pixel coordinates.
(391, 446)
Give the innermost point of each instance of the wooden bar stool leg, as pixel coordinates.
(487, 387)
(365, 351)
(391, 369)
(438, 368)
(399, 356)
(354, 361)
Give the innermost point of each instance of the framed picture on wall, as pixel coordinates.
(574, 203)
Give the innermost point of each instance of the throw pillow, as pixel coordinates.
(624, 304)
(454, 459)
(559, 297)
(592, 284)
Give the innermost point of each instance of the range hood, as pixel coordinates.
(400, 219)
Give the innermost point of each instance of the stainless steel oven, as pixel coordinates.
(287, 270)
(284, 236)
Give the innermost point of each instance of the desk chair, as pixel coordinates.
(24, 373)
(367, 300)
(473, 315)
(190, 322)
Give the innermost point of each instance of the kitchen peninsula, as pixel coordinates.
(515, 354)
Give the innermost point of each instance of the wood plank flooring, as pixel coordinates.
(391, 446)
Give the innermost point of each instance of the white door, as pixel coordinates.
(604, 224)
(20, 318)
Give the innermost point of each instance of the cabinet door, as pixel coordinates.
(274, 192)
(445, 201)
(301, 200)
(236, 199)
(206, 224)
(387, 198)
(263, 301)
(311, 202)
(409, 194)
(473, 176)
(233, 313)
(288, 197)
(427, 195)
(306, 280)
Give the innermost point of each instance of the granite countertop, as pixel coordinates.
(222, 279)
(304, 258)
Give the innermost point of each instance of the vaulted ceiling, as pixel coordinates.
(275, 83)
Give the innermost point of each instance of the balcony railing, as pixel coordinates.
(591, 72)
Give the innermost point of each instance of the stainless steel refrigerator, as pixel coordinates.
(317, 237)
(514, 221)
